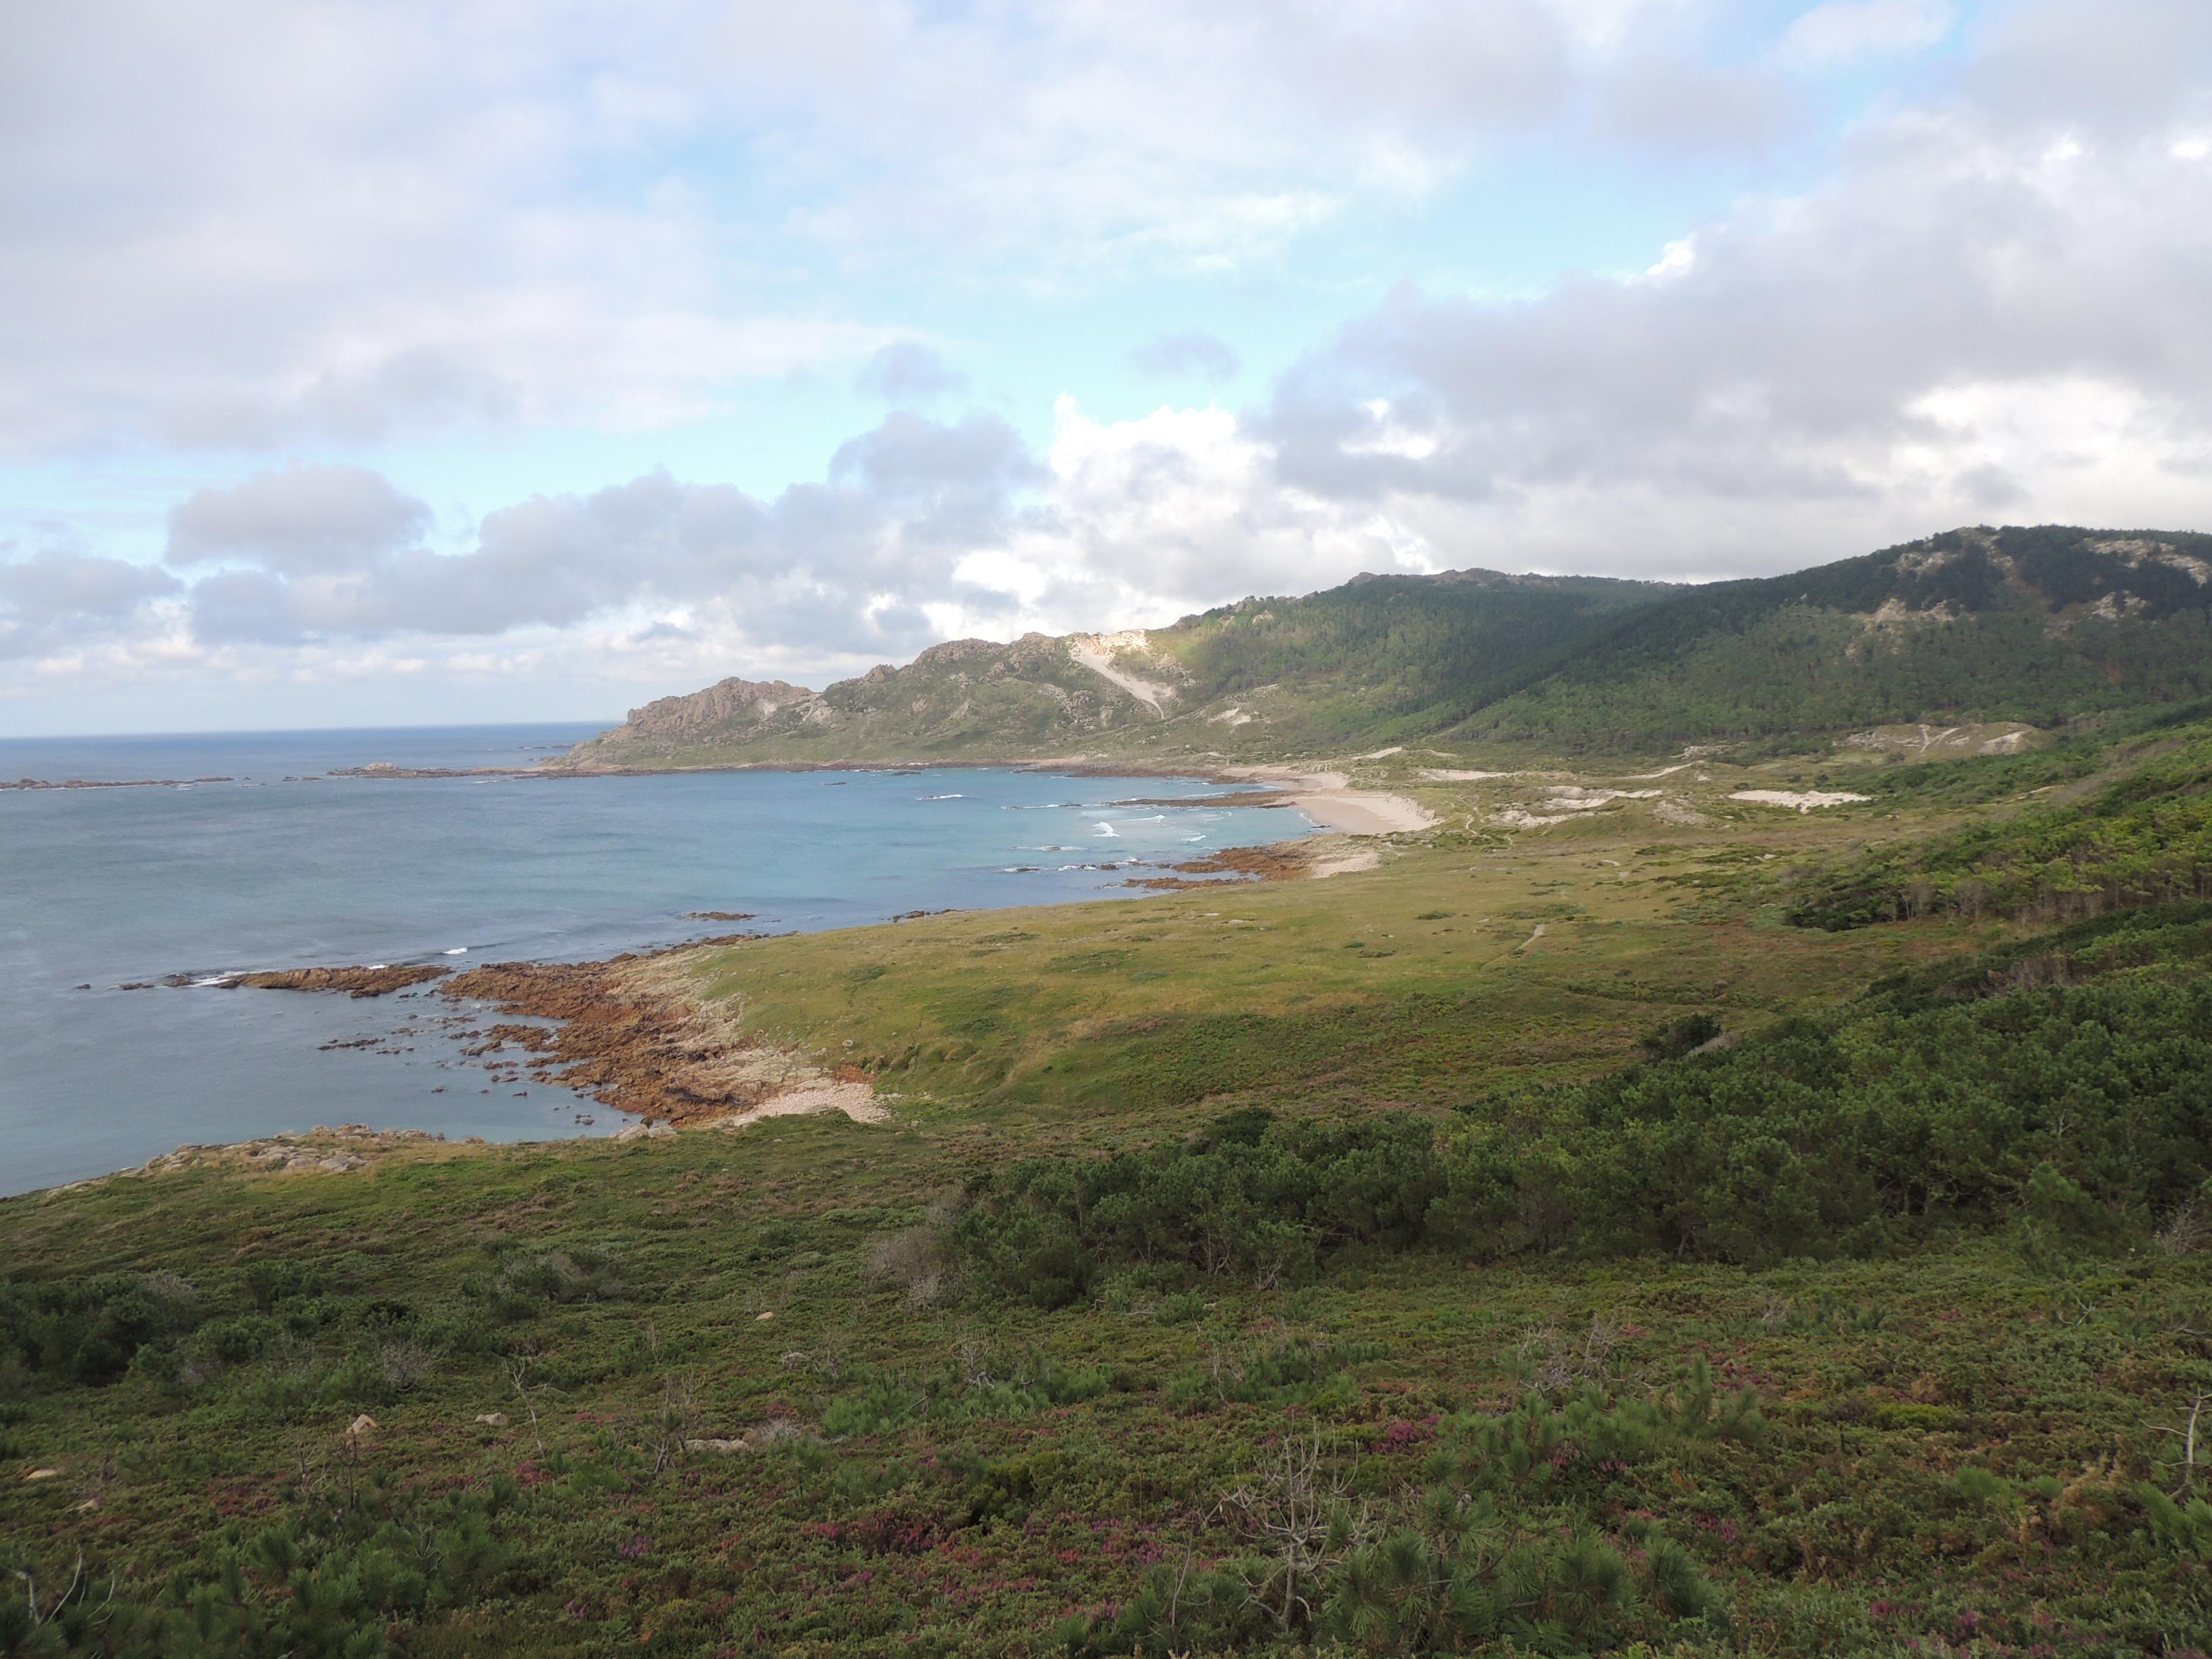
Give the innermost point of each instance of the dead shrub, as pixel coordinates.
(406, 1365)
(2186, 1231)
(1559, 1361)
(917, 1262)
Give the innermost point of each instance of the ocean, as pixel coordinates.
(285, 866)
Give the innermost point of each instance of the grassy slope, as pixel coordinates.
(1054, 1459)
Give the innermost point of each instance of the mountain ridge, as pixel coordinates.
(2039, 625)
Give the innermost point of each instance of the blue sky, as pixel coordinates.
(386, 363)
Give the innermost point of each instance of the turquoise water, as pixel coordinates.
(102, 887)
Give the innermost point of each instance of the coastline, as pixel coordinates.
(1326, 796)
(631, 1033)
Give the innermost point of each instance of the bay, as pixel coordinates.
(285, 866)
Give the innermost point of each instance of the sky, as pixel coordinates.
(385, 364)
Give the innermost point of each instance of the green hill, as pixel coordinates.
(2036, 625)
(1377, 657)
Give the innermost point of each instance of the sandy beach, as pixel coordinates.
(1329, 800)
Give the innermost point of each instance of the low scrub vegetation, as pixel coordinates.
(2001, 1096)
(2142, 840)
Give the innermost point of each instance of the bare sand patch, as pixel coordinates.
(1346, 864)
(1800, 801)
(856, 1100)
(1329, 800)
(1097, 652)
(1364, 812)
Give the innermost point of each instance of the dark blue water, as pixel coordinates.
(284, 866)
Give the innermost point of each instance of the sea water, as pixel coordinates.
(286, 866)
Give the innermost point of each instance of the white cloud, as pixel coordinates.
(1992, 307)
(252, 224)
(922, 529)
(249, 224)
(1846, 31)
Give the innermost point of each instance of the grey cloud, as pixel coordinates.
(904, 503)
(1666, 104)
(58, 596)
(950, 483)
(244, 606)
(907, 372)
(60, 584)
(1437, 70)
(1193, 352)
(2127, 68)
(906, 456)
(415, 388)
(299, 519)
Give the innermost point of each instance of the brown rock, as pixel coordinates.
(355, 981)
(625, 1043)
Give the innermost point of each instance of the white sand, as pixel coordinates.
(1364, 812)
(856, 1100)
(1096, 651)
(1328, 798)
(1802, 800)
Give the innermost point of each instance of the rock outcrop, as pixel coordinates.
(721, 706)
(354, 981)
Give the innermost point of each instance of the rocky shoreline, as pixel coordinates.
(628, 1032)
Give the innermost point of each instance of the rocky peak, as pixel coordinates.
(730, 701)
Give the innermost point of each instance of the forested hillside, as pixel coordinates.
(1387, 656)
(2035, 625)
